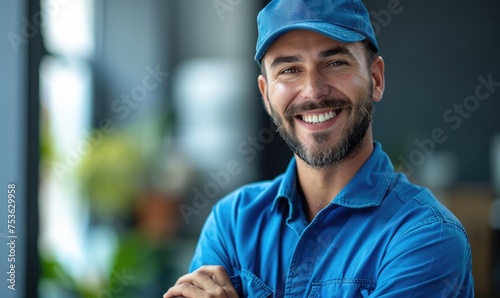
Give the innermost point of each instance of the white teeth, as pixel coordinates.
(318, 118)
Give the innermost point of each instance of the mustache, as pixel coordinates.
(332, 103)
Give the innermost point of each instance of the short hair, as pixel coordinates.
(371, 51)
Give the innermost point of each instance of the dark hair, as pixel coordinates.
(371, 51)
(371, 55)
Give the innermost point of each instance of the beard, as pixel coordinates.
(320, 153)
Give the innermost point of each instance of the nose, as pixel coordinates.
(315, 86)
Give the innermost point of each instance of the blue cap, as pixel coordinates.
(342, 20)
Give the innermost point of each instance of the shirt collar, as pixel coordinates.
(366, 189)
(288, 189)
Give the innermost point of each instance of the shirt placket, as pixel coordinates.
(302, 264)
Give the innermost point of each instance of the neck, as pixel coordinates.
(321, 185)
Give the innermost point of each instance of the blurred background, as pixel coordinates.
(124, 121)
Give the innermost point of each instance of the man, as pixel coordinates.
(339, 222)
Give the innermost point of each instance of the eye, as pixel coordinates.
(337, 63)
(289, 70)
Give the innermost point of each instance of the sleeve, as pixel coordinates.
(431, 260)
(214, 244)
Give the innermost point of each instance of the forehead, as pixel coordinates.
(297, 41)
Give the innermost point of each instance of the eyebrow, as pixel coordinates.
(322, 55)
(285, 59)
(336, 51)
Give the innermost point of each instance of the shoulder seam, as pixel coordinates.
(433, 220)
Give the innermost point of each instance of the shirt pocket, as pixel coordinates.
(345, 287)
(249, 285)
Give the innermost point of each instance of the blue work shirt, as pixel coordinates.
(381, 236)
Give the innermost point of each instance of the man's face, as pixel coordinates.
(319, 93)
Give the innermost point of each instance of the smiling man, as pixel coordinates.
(339, 222)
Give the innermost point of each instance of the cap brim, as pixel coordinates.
(334, 32)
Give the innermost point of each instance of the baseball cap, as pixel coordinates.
(342, 20)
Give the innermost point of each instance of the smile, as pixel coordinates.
(319, 118)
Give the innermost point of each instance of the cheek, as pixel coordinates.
(353, 86)
(281, 95)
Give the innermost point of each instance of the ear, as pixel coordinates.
(378, 78)
(263, 91)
